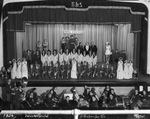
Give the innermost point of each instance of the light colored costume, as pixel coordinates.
(49, 59)
(73, 56)
(66, 57)
(55, 59)
(61, 58)
(74, 69)
(108, 50)
(90, 60)
(43, 59)
(19, 70)
(14, 71)
(130, 73)
(126, 70)
(120, 71)
(79, 58)
(24, 69)
(95, 60)
(85, 59)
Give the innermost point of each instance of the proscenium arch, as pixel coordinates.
(5, 2)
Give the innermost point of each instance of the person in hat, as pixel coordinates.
(107, 52)
(120, 71)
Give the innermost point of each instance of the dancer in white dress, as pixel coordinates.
(74, 69)
(73, 55)
(14, 70)
(126, 70)
(19, 69)
(24, 69)
(108, 52)
(130, 73)
(43, 57)
(120, 69)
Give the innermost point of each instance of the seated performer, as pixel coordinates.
(56, 71)
(108, 52)
(74, 69)
(73, 55)
(45, 45)
(93, 48)
(31, 71)
(68, 70)
(61, 57)
(37, 70)
(84, 71)
(94, 59)
(79, 56)
(45, 70)
(107, 71)
(50, 70)
(67, 56)
(62, 70)
(95, 71)
(85, 57)
(102, 71)
(49, 58)
(55, 57)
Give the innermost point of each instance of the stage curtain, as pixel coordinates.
(118, 35)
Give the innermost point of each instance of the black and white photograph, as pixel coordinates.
(74, 59)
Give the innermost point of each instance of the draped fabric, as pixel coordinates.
(118, 35)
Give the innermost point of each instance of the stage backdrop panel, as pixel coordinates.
(119, 36)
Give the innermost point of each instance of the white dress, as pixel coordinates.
(43, 59)
(49, 59)
(73, 56)
(130, 73)
(14, 71)
(66, 57)
(120, 71)
(126, 70)
(61, 58)
(80, 58)
(55, 59)
(84, 59)
(108, 50)
(90, 60)
(24, 70)
(19, 71)
(74, 69)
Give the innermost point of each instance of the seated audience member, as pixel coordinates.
(37, 70)
(102, 71)
(112, 73)
(14, 70)
(55, 58)
(93, 48)
(94, 103)
(94, 58)
(73, 55)
(107, 91)
(67, 56)
(29, 57)
(111, 102)
(43, 57)
(37, 57)
(63, 44)
(144, 96)
(24, 68)
(116, 56)
(80, 47)
(87, 48)
(123, 55)
(113, 93)
(45, 45)
(66, 104)
(135, 98)
(86, 93)
(130, 66)
(49, 58)
(79, 57)
(60, 57)
(19, 69)
(83, 103)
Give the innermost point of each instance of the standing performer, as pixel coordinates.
(73, 55)
(126, 70)
(108, 52)
(61, 57)
(19, 69)
(120, 69)
(43, 57)
(39, 45)
(14, 70)
(130, 69)
(74, 69)
(45, 45)
(49, 58)
(67, 56)
(63, 44)
(24, 69)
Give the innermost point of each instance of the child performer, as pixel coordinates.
(19, 69)
(120, 69)
(130, 73)
(126, 70)
(108, 52)
(24, 68)
(14, 70)
(74, 69)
